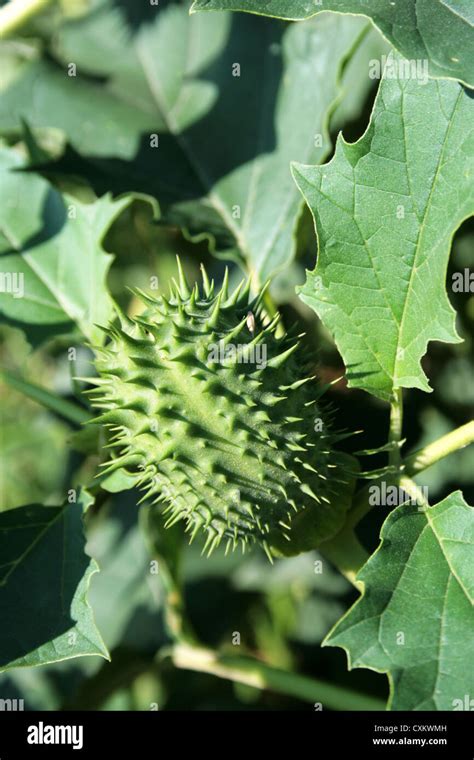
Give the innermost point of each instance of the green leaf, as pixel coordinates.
(416, 616)
(225, 137)
(44, 577)
(120, 480)
(52, 265)
(385, 210)
(438, 31)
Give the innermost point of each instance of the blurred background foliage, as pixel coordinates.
(281, 612)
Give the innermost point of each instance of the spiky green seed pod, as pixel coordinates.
(217, 415)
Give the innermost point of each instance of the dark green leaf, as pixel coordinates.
(198, 111)
(438, 31)
(416, 616)
(44, 577)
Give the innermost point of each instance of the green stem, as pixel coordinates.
(345, 550)
(433, 452)
(415, 493)
(412, 465)
(396, 423)
(252, 672)
(16, 13)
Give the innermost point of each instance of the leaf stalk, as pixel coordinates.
(253, 672)
(16, 13)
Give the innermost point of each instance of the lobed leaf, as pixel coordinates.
(198, 111)
(52, 264)
(416, 616)
(438, 31)
(385, 210)
(44, 577)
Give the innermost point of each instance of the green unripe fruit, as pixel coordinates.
(217, 415)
